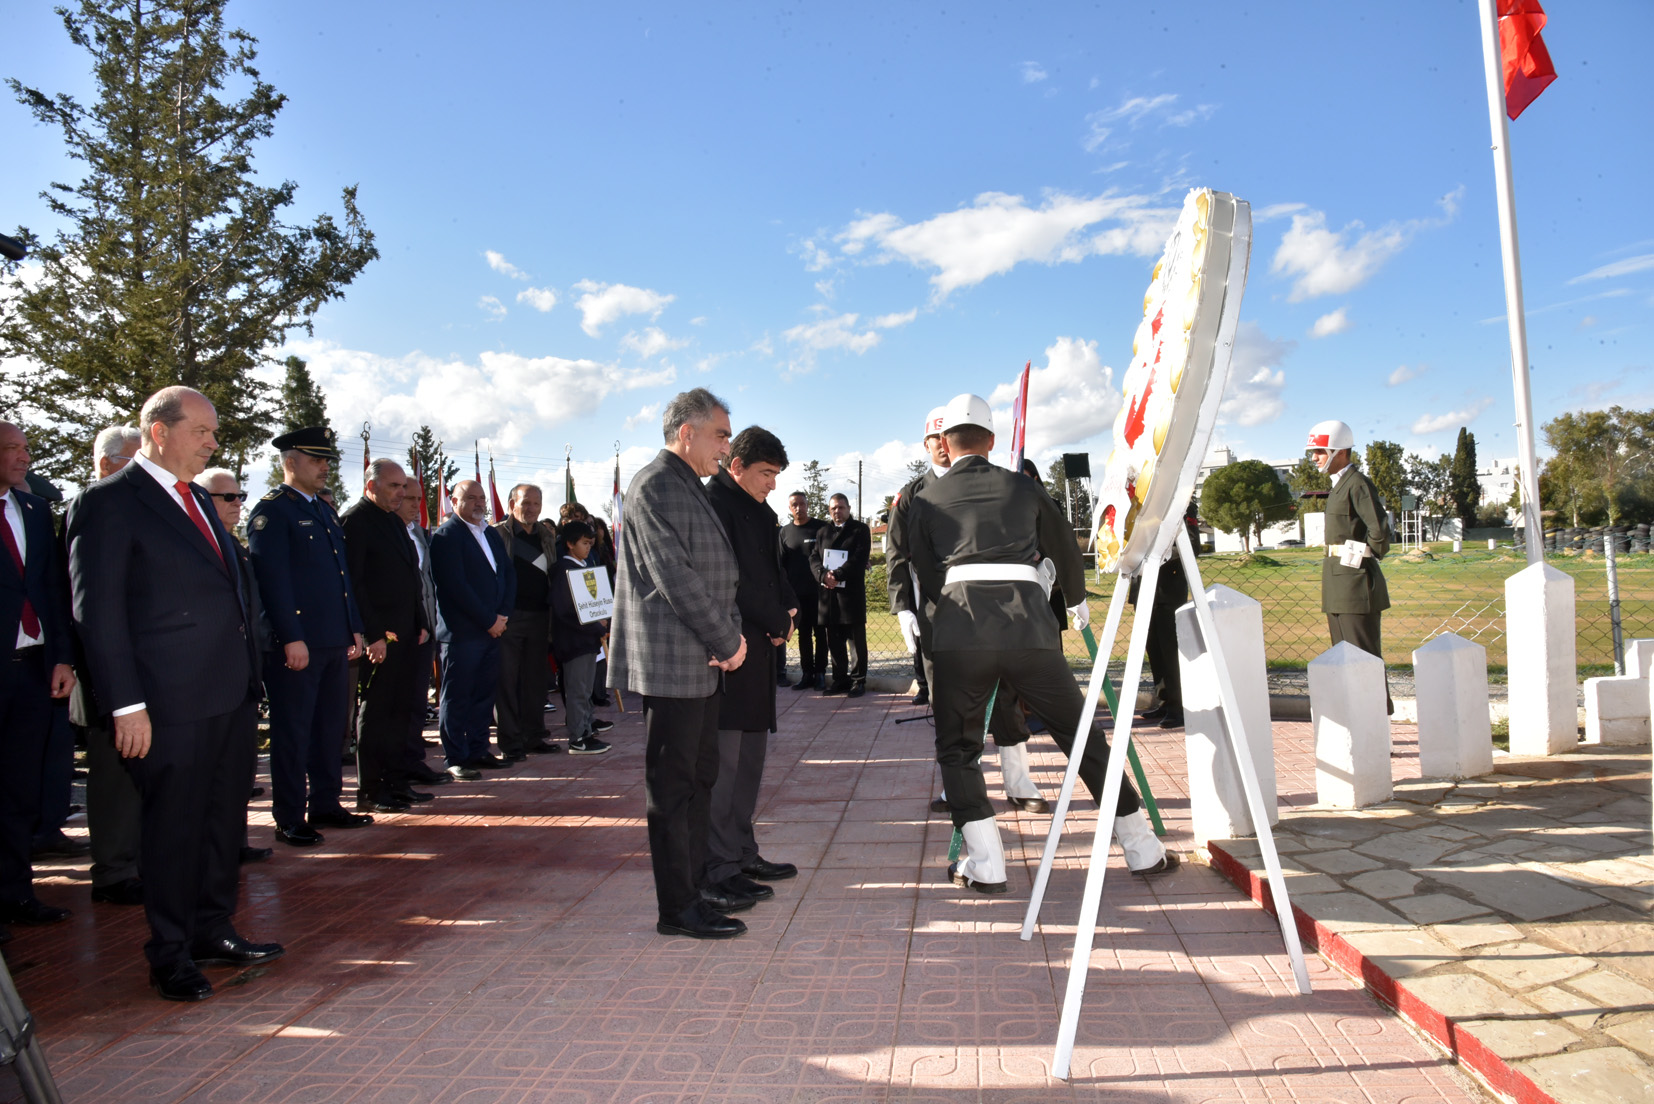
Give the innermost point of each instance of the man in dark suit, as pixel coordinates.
(520, 705)
(412, 767)
(384, 568)
(798, 540)
(475, 591)
(35, 667)
(298, 554)
(169, 644)
(839, 563)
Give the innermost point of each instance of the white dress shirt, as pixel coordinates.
(481, 533)
(14, 518)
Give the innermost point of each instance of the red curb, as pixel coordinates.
(1469, 1051)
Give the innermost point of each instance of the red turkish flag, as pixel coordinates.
(1528, 68)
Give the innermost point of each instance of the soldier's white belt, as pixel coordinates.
(992, 573)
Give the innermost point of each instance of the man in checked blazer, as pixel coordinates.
(676, 630)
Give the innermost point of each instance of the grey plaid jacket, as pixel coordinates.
(674, 587)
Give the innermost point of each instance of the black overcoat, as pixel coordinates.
(763, 597)
(845, 605)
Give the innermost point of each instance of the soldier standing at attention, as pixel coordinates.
(1353, 594)
(975, 537)
(298, 553)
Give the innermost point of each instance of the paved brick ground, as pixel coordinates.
(501, 948)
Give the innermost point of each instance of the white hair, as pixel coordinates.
(113, 442)
(205, 478)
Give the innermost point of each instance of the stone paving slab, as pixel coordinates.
(1515, 910)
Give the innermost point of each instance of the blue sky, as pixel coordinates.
(839, 216)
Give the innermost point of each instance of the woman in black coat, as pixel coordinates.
(747, 714)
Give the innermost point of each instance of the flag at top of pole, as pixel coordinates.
(568, 477)
(1019, 418)
(441, 487)
(1527, 64)
(494, 492)
(476, 459)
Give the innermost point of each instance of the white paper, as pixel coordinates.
(593, 600)
(833, 559)
(1353, 553)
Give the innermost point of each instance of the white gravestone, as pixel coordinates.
(1539, 641)
(1352, 731)
(1455, 735)
(1639, 658)
(1217, 801)
(1617, 710)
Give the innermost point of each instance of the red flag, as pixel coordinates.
(1528, 68)
(494, 493)
(424, 513)
(1019, 418)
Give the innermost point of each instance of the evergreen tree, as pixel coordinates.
(1066, 491)
(1243, 497)
(815, 488)
(303, 404)
(1602, 465)
(1305, 476)
(1386, 465)
(1430, 479)
(426, 455)
(173, 264)
(1464, 490)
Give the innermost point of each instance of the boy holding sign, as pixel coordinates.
(581, 604)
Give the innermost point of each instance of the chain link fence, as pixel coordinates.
(1433, 590)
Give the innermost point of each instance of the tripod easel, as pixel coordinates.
(20, 1049)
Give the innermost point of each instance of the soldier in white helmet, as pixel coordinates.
(913, 610)
(1353, 594)
(975, 538)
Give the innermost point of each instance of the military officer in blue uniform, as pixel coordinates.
(314, 631)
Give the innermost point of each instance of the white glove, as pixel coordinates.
(1047, 575)
(908, 621)
(1079, 616)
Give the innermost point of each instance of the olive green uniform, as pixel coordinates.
(1355, 598)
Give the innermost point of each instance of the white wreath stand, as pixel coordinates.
(1079, 965)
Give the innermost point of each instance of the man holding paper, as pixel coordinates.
(1353, 594)
(839, 563)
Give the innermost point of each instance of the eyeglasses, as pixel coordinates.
(229, 496)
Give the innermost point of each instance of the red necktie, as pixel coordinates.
(31, 623)
(194, 512)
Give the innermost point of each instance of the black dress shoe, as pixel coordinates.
(601, 701)
(1030, 804)
(338, 818)
(128, 891)
(740, 884)
(425, 776)
(488, 762)
(721, 900)
(700, 922)
(1172, 720)
(961, 880)
(256, 791)
(255, 854)
(384, 803)
(233, 950)
(515, 758)
(59, 846)
(766, 871)
(412, 796)
(544, 747)
(808, 682)
(940, 805)
(837, 686)
(464, 772)
(181, 983)
(857, 690)
(922, 697)
(31, 910)
(1165, 866)
(600, 725)
(781, 678)
(300, 835)
(1151, 714)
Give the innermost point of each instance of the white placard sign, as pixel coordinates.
(593, 600)
(833, 559)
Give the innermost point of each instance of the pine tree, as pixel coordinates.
(1305, 476)
(173, 264)
(303, 404)
(815, 488)
(1464, 490)
(426, 456)
(1386, 465)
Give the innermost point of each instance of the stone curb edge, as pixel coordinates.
(1469, 1051)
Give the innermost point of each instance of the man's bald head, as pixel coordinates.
(470, 502)
(14, 458)
(180, 429)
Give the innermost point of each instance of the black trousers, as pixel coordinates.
(680, 767)
(1161, 652)
(57, 772)
(114, 809)
(193, 784)
(309, 711)
(842, 639)
(1041, 678)
(470, 681)
(1365, 631)
(25, 721)
(411, 763)
(811, 637)
(520, 704)
(1006, 724)
(383, 719)
(730, 842)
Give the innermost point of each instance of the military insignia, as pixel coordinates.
(272, 496)
(307, 521)
(260, 521)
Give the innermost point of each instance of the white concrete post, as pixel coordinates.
(1217, 800)
(1539, 640)
(1458, 546)
(1639, 658)
(1617, 710)
(1492, 543)
(1352, 731)
(1455, 735)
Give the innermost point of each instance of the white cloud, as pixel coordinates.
(999, 231)
(891, 321)
(1253, 396)
(1275, 211)
(1033, 72)
(1328, 324)
(1403, 374)
(492, 307)
(698, 320)
(497, 397)
(1588, 321)
(1617, 268)
(498, 263)
(1134, 111)
(601, 304)
(1327, 262)
(644, 416)
(815, 257)
(826, 288)
(837, 332)
(1435, 423)
(541, 299)
(1071, 399)
(651, 342)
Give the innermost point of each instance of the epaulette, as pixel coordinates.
(273, 495)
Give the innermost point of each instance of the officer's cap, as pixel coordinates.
(967, 410)
(311, 440)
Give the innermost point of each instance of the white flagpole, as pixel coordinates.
(1528, 476)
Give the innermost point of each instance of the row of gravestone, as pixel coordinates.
(1348, 703)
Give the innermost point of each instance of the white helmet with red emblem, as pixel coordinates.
(933, 423)
(1332, 435)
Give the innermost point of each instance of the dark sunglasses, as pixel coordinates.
(229, 496)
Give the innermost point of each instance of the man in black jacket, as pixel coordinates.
(384, 570)
(746, 715)
(839, 564)
(798, 541)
